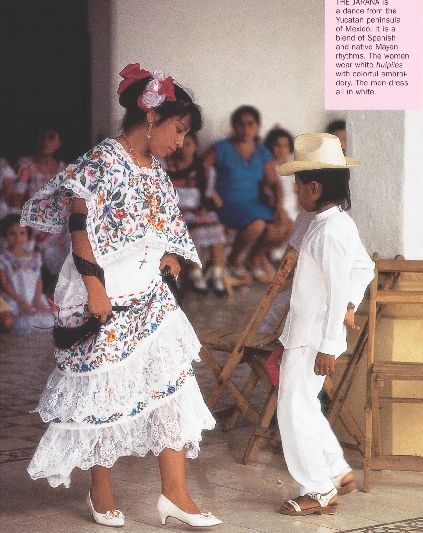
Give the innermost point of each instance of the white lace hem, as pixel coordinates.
(176, 425)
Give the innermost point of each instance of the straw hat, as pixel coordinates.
(317, 150)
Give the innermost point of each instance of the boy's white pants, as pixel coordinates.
(312, 452)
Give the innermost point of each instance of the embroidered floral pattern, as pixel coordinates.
(173, 388)
(118, 338)
(125, 203)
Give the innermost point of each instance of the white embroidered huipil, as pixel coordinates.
(333, 269)
(130, 389)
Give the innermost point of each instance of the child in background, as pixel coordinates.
(34, 171)
(20, 279)
(196, 195)
(332, 273)
(281, 144)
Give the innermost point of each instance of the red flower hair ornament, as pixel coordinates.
(159, 89)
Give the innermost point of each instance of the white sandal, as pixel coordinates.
(323, 500)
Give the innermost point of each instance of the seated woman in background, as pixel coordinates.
(33, 172)
(188, 175)
(242, 166)
(7, 183)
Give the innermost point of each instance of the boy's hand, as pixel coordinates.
(324, 364)
(349, 318)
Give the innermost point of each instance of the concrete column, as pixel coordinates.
(387, 190)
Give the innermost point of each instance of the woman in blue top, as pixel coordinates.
(244, 170)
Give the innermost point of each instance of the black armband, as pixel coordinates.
(77, 222)
(86, 268)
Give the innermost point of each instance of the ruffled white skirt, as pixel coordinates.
(130, 391)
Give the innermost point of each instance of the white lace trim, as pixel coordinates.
(176, 425)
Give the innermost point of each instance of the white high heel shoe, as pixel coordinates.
(111, 518)
(166, 508)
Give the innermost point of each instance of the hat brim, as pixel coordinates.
(297, 166)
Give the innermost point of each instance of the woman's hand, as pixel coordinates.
(324, 364)
(25, 308)
(41, 308)
(217, 200)
(171, 260)
(99, 304)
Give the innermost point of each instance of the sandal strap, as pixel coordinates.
(295, 505)
(323, 499)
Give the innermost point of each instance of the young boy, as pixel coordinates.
(333, 271)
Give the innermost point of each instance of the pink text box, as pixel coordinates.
(358, 53)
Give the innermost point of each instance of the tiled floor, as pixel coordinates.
(246, 498)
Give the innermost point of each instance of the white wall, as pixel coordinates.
(266, 53)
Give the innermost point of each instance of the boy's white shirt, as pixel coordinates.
(333, 269)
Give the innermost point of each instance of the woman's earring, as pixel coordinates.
(149, 130)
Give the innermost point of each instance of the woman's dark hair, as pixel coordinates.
(8, 221)
(336, 125)
(236, 115)
(274, 135)
(335, 185)
(182, 107)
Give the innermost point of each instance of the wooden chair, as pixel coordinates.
(336, 395)
(234, 343)
(380, 372)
